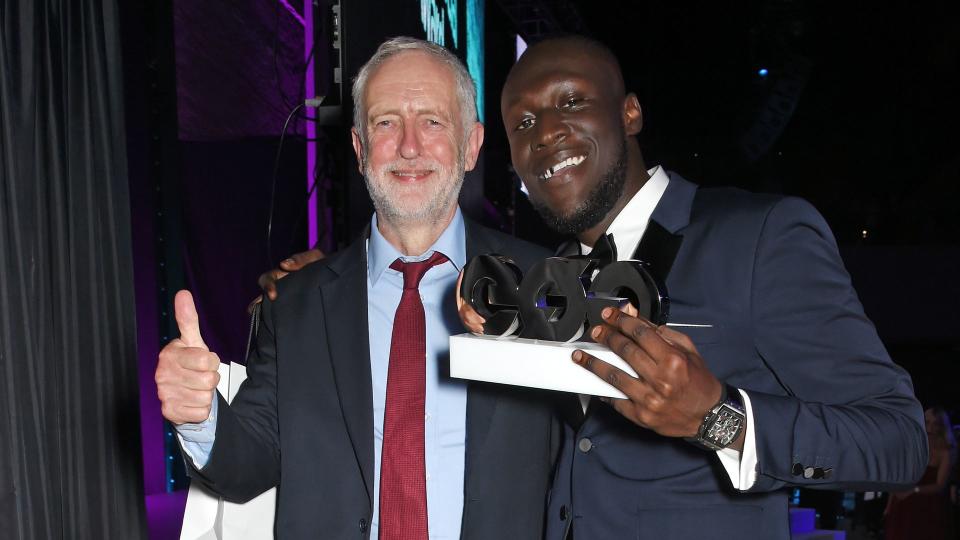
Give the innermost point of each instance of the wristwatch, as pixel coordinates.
(723, 422)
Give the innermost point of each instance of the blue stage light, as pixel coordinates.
(762, 72)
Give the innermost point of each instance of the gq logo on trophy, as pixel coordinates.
(559, 297)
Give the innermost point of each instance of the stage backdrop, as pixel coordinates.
(69, 430)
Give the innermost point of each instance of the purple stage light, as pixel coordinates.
(309, 92)
(302, 19)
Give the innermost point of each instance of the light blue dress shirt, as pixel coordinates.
(446, 399)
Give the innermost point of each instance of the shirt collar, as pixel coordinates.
(630, 224)
(381, 253)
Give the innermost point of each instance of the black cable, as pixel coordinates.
(273, 182)
(321, 169)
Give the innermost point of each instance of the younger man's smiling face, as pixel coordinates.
(567, 119)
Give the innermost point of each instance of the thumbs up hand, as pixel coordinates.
(186, 370)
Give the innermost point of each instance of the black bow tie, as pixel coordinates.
(604, 250)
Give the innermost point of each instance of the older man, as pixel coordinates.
(771, 371)
(347, 408)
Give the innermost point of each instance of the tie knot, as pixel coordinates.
(413, 271)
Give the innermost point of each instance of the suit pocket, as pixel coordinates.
(703, 523)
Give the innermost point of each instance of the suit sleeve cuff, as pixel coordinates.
(741, 467)
(196, 440)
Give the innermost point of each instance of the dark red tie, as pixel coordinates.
(403, 484)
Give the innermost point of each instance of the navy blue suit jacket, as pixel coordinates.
(786, 326)
(303, 420)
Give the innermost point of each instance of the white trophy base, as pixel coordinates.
(532, 363)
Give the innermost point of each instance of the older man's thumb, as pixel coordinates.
(187, 320)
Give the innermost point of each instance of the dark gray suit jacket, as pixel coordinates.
(303, 420)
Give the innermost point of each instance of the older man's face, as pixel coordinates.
(416, 147)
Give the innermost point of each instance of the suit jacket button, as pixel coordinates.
(808, 473)
(817, 473)
(797, 469)
(585, 445)
(827, 473)
(563, 513)
(363, 525)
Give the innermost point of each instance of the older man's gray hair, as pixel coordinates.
(466, 91)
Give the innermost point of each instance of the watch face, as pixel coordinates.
(725, 427)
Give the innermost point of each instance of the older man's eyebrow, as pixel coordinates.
(439, 113)
(417, 111)
(375, 111)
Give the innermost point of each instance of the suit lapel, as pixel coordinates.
(662, 239)
(345, 306)
(481, 403)
(658, 248)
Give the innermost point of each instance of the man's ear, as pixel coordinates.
(474, 142)
(632, 114)
(357, 148)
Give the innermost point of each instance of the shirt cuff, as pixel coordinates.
(741, 467)
(196, 440)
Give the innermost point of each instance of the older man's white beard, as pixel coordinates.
(391, 200)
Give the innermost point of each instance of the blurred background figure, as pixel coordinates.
(923, 512)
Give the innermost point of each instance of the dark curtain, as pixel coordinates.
(69, 433)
